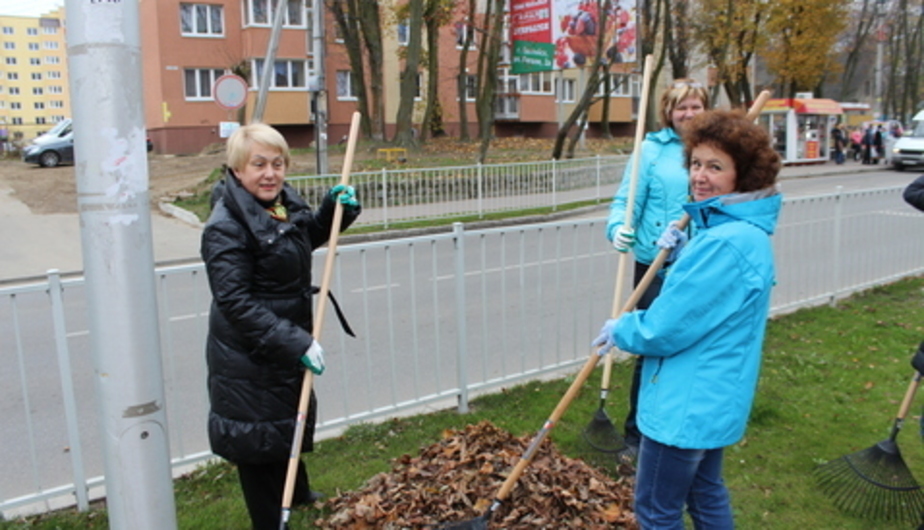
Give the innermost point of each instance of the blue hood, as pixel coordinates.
(760, 208)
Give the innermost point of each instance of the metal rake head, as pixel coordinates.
(874, 483)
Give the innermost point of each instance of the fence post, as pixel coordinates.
(836, 240)
(458, 230)
(554, 176)
(480, 191)
(599, 176)
(67, 389)
(385, 198)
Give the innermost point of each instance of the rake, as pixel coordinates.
(876, 483)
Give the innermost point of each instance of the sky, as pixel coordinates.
(28, 8)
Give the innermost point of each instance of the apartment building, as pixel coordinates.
(188, 45)
(33, 76)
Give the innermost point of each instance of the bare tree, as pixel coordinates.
(361, 29)
(488, 59)
(437, 13)
(404, 133)
(465, 32)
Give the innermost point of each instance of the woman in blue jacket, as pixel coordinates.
(661, 190)
(700, 341)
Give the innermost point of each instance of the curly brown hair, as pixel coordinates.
(748, 145)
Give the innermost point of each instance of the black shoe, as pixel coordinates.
(311, 498)
(628, 455)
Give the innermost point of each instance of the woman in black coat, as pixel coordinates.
(257, 247)
(914, 193)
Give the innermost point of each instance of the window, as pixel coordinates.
(471, 87)
(33, 46)
(55, 89)
(56, 119)
(57, 104)
(404, 32)
(37, 91)
(462, 30)
(15, 105)
(620, 85)
(9, 45)
(201, 19)
(36, 76)
(35, 61)
(286, 74)
(537, 83)
(54, 75)
(345, 88)
(17, 121)
(52, 59)
(32, 31)
(261, 12)
(199, 82)
(12, 76)
(564, 90)
(39, 105)
(14, 90)
(40, 121)
(51, 45)
(11, 60)
(2, 104)
(7, 30)
(48, 30)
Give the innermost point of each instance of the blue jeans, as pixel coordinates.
(668, 478)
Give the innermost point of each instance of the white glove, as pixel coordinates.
(673, 239)
(624, 239)
(314, 358)
(604, 341)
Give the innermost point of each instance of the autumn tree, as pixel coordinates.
(360, 28)
(801, 45)
(729, 34)
(437, 13)
(861, 20)
(465, 34)
(488, 59)
(906, 51)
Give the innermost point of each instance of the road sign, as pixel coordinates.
(230, 91)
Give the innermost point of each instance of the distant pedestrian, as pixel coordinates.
(868, 145)
(838, 142)
(878, 145)
(856, 148)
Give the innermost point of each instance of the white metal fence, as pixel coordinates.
(438, 318)
(392, 197)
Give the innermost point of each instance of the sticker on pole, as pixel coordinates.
(230, 91)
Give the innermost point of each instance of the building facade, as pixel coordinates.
(33, 76)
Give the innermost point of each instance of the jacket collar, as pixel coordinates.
(664, 136)
(245, 207)
(760, 208)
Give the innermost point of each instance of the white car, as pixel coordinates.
(909, 149)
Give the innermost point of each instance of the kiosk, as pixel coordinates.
(801, 128)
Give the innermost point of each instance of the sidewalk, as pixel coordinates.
(33, 244)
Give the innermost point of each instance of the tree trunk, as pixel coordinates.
(489, 57)
(352, 41)
(371, 26)
(462, 79)
(404, 132)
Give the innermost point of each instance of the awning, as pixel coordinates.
(804, 106)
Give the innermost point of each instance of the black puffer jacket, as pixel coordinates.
(259, 270)
(914, 193)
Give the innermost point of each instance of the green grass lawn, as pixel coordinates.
(831, 384)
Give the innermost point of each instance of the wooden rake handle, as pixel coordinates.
(630, 208)
(308, 380)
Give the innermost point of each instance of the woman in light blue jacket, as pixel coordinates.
(701, 339)
(661, 190)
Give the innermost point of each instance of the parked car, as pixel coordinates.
(53, 147)
(57, 146)
(909, 149)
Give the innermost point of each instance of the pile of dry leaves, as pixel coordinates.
(457, 478)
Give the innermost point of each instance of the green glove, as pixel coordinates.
(314, 358)
(346, 195)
